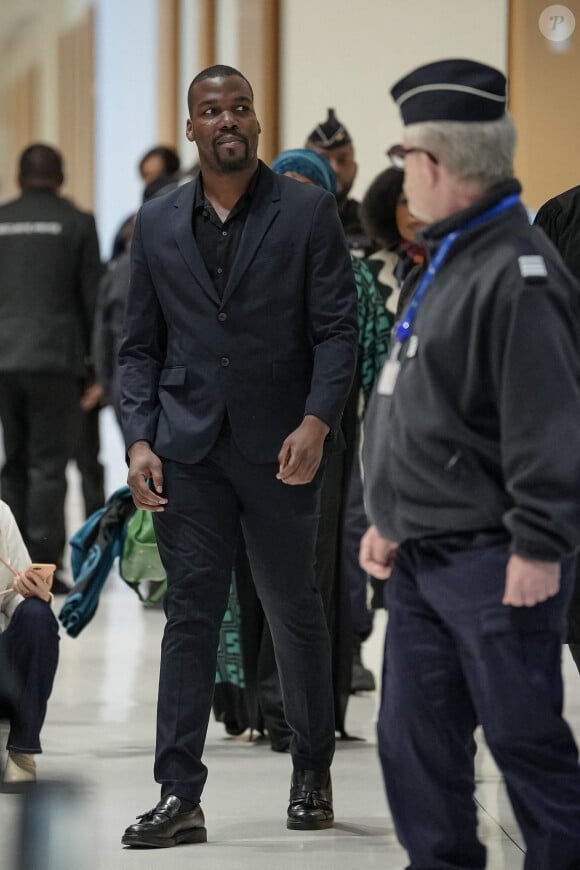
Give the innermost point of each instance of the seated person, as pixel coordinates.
(29, 644)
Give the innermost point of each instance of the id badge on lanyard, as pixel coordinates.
(390, 371)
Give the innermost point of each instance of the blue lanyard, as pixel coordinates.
(405, 325)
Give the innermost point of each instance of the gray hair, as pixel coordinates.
(479, 150)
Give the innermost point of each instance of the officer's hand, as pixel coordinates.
(301, 452)
(528, 582)
(145, 465)
(377, 555)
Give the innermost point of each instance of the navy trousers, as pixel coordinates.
(197, 535)
(30, 643)
(88, 463)
(456, 657)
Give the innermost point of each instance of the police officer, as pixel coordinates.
(332, 140)
(472, 461)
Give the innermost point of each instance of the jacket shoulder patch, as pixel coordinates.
(532, 267)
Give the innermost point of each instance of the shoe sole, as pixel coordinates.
(199, 835)
(362, 686)
(322, 825)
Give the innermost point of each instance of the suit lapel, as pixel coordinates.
(183, 230)
(264, 207)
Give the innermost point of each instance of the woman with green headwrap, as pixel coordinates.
(255, 700)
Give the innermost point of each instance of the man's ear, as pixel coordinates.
(434, 171)
(259, 128)
(189, 130)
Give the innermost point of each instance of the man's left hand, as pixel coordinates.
(301, 452)
(529, 582)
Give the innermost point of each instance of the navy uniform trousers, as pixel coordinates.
(197, 535)
(456, 657)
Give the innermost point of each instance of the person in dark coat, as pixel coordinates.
(161, 161)
(474, 505)
(237, 359)
(559, 218)
(109, 318)
(49, 273)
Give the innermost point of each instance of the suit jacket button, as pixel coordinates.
(225, 361)
(222, 316)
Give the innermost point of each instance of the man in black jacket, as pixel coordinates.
(49, 272)
(238, 357)
(472, 461)
(559, 218)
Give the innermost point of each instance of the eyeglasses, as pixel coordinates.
(397, 154)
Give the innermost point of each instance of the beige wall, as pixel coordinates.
(544, 78)
(30, 33)
(346, 55)
(333, 53)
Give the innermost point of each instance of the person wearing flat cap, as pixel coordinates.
(332, 140)
(473, 498)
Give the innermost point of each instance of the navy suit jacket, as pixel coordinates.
(280, 344)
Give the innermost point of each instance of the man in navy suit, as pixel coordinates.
(238, 357)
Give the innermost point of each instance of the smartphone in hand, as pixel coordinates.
(45, 570)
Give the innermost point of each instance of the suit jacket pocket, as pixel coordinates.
(281, 251)
(172, 376)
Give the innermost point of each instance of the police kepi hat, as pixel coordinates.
(451, 90)
(330, 133)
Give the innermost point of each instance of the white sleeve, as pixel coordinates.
(13, 551)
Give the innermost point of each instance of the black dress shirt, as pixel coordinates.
(218, 242)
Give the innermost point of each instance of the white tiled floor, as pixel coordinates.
(100, 732)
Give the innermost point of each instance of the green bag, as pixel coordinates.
(140, 562)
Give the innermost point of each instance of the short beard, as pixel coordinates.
(226, 167)
(235, 164)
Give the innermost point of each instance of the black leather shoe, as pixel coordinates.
(361, 680)
(310, 807)
(165, 826)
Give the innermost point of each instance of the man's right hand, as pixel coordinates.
(145, 465)
(377, 555)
